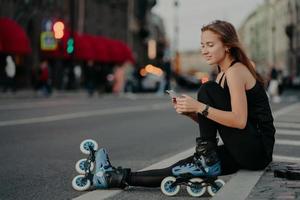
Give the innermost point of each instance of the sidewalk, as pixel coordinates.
(270, 187)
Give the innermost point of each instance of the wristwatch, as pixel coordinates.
(205, 111)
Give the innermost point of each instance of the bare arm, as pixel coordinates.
(237, 118)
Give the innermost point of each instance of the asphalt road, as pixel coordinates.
(40, 140)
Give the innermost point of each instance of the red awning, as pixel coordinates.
(127, 53)
(101, 48)
(1, 46)
(120, 52)
(13, 38)
(114, 51)
(84, 48)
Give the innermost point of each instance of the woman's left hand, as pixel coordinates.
(186, 104)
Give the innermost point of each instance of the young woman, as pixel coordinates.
(235, 105)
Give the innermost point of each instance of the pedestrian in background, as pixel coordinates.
(44, 82)
(90, 76)
(130, 84)
(119, 79)
(10, 72)
(273, 88)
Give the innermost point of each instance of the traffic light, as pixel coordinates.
(70, 45)
(58, 29)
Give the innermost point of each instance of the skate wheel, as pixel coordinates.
(82, 166)
(166, 187)
(81, 183)
(212, 190)
(85, 144)
(196, 190)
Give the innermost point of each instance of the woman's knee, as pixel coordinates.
(210, 91)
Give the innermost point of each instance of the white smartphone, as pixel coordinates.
(172, 94)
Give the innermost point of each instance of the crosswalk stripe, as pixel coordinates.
(287, 132)
(292, 115)
(287, 125)
(287, 142)
(286, 158)
(286, 110)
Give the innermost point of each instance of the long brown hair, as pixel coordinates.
(229, 37)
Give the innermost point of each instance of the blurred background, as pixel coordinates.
(119, 46)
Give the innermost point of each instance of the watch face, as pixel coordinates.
(205, 113)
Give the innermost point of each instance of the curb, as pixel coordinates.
(233, 189)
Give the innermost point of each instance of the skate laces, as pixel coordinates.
(199, 161)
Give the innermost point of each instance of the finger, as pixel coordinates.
(185, 96)
(181, 97)
(178, 111)
(180, 106)
(180, 100)
(181, 109)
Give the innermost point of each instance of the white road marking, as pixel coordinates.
(286, 110)
(287, 132)
(292, 115)
(287, 142)
(287, 125)
(84, 114)
(286, 158)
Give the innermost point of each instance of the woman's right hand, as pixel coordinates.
(191, 115)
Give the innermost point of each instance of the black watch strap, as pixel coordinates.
(205, 111)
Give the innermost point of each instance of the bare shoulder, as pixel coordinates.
(240, 74)
(238, 70)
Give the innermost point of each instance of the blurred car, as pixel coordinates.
(146, 79)
(188, 81)
(148, 83)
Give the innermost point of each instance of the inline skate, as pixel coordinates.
(96, 171)
(199, 175)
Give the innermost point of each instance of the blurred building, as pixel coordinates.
(271, 35)
(129, 21)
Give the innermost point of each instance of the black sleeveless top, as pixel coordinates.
(259, 113)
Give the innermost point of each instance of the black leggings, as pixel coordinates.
(242, 149)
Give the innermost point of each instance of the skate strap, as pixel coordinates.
(220, 81)
(231, 64)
